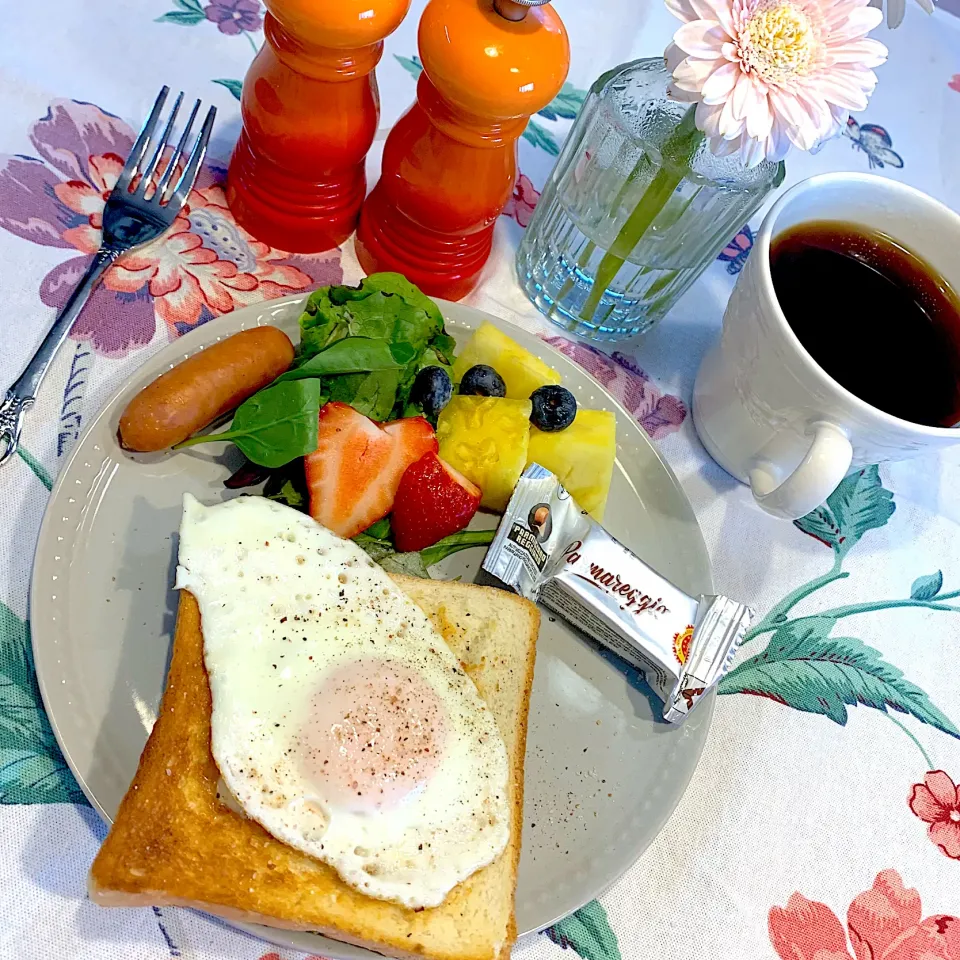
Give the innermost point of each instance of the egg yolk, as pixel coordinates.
(375, 732)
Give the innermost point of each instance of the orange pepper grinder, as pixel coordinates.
(450, 163)
(310, 109)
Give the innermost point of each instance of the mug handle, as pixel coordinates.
(826, 463)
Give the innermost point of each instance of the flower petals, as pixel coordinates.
(61, 281)
(29, 208)
(692, 74)
(730, 127)
(84, 238)
(752, 151)
(946, 835)
(701, 38)
(942, 788)
(806, 930)
(683, 10)
(79, 197)
(867, 53)
(71, 133)
(673, 56)
(722, 82)
(112, 326)
(844, 91)
(856, 24)
(878, 916)
(767, 98)
(720, 147)
(707, 119)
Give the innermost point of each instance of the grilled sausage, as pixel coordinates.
(203, 387)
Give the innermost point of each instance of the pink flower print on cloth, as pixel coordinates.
(204, 266)
(660, 414)
(936, 801)
(883, 923)
(521, 205)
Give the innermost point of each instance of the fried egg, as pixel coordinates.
(341, 720)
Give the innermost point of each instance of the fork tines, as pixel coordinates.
(141, 175)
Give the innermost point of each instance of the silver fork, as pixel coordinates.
(129, 220)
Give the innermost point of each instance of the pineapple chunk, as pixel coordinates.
(522, 372)
(485, 438)
(581, 456)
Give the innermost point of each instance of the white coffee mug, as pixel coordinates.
(763, 407)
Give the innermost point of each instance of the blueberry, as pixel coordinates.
(554, 408)
(432, 390)
(483, 381)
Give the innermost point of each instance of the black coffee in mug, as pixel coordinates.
(875, 316)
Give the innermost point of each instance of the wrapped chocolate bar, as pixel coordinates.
(547, 549)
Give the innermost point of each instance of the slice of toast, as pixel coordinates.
(174, 842)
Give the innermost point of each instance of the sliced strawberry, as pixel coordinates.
(433, 501)
(354, 474)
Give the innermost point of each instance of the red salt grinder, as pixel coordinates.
(450, 163)
(310, 109)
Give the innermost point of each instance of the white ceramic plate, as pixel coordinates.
(603, 773)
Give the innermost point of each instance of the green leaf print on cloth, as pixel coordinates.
(859, 504)
(32, 769)
(188, 13)
(588, 932)
(234, 86)
(806, 668)
(566, 104)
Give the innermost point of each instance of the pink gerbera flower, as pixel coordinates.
(766, 74)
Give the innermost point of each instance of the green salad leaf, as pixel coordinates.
(386, 307)
(444, 348)
(377, 542)
(381, 529)
(275, 425)
(353, 355)
(456, 542)
(289, 495)
(362, 346)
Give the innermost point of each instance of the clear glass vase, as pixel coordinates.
(635, 209)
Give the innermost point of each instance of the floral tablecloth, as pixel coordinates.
(824, 820)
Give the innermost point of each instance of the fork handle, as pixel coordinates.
(27, 385)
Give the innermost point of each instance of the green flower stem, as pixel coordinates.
(253, 43)
(582, 261)
(587, 252)
(776, 616)
(36, 466)
(838, 613)
(919, 746)
(678, 152)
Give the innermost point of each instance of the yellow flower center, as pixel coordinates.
(778, 41)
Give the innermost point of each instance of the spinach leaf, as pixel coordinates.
(289, 485)
(456, 542)
(372, 394)
(376, 548)
(289, 495)
(385, 306)
(276, 425)
(380, 549)
(444, 347)
(410, 564)
(381, 529)
(353, 355)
